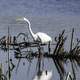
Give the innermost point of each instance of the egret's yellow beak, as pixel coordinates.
(19, 19)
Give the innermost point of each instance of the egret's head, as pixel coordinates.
(22, 19)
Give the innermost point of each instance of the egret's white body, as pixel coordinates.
(44, 76)
(41, 37)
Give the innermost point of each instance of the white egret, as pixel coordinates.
(39, 36)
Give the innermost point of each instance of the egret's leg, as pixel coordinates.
(49, 48)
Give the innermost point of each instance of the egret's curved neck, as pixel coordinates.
(30, 30)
